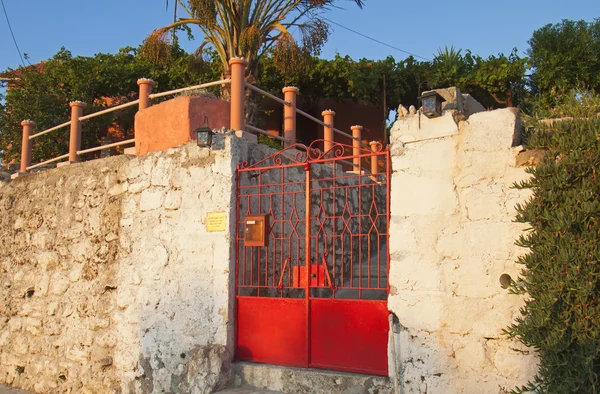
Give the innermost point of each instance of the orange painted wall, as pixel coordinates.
(172, 122)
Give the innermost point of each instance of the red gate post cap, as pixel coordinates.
(328, 112)
(146, 81)
(237, 60)
(77, 103)
(290, 89)
(28, 122)
(356, 127)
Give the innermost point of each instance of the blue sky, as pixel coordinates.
(88, 27)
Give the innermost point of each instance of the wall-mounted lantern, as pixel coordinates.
(204, 136)
(432, 104)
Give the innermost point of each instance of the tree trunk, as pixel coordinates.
(508, 101)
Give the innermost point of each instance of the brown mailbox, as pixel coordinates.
(255, 230)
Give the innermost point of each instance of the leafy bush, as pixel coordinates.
(561, 275)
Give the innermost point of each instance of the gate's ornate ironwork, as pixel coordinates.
(326, 259)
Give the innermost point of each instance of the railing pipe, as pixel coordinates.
(51, 129)
(289, 114)
(26, 144)
(109, 110)
(75, 136)
(328, 116)
(145, 87)
(238, 93)
(126, 142)
(195, 87)
(309, 116)
(66, 155)
(356, 131)
(374, 159)
(264, 132)
(269, 95)
(340, 132)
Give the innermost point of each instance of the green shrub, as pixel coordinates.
(561, 275)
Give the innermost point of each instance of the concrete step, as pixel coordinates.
(307, 380)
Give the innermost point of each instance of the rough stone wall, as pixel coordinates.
(452, 237)
(110, 280)
(58, 262)
(173, 295)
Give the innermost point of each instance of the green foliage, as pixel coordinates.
(343, 78)
(577, 103)
(563, 56)
(450, 68)
(561, 275)
(42, 93)
(491, 81)
(252, 27)
(501, 76)
(270, 142)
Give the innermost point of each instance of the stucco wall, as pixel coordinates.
(452, 236)
(110, 280)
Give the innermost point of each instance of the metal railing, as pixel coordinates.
(77, 107)
(289, 126)
(237, 121)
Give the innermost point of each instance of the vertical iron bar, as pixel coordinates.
(351, 240)
(258, 248)
(237, 231)
(333, 226)
(282, 228)
(369, 235)
(360, 231)
(387, 213)
(307, 258)
(245, 249)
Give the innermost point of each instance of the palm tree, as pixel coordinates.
(249, 28)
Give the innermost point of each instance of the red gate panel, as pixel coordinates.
(312, 287)
(272, 330)
(349, 335)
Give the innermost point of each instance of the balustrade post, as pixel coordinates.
(289, 114)
(374, 158)
(237, 119)
(26, 144)
(356, 131)
(75, 135)
(328, 116)
(145, 90)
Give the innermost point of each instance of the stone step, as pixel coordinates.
(307, 380)
(11, 390)
(247, 390)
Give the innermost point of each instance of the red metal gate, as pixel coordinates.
(312, 260)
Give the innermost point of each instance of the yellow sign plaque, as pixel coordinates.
(215, 221)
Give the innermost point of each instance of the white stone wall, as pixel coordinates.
(452, 236)
(111, 281)
(173, 300)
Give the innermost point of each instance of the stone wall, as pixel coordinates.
(452, 237)
(110, 280)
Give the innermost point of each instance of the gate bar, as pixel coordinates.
(307, 260)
